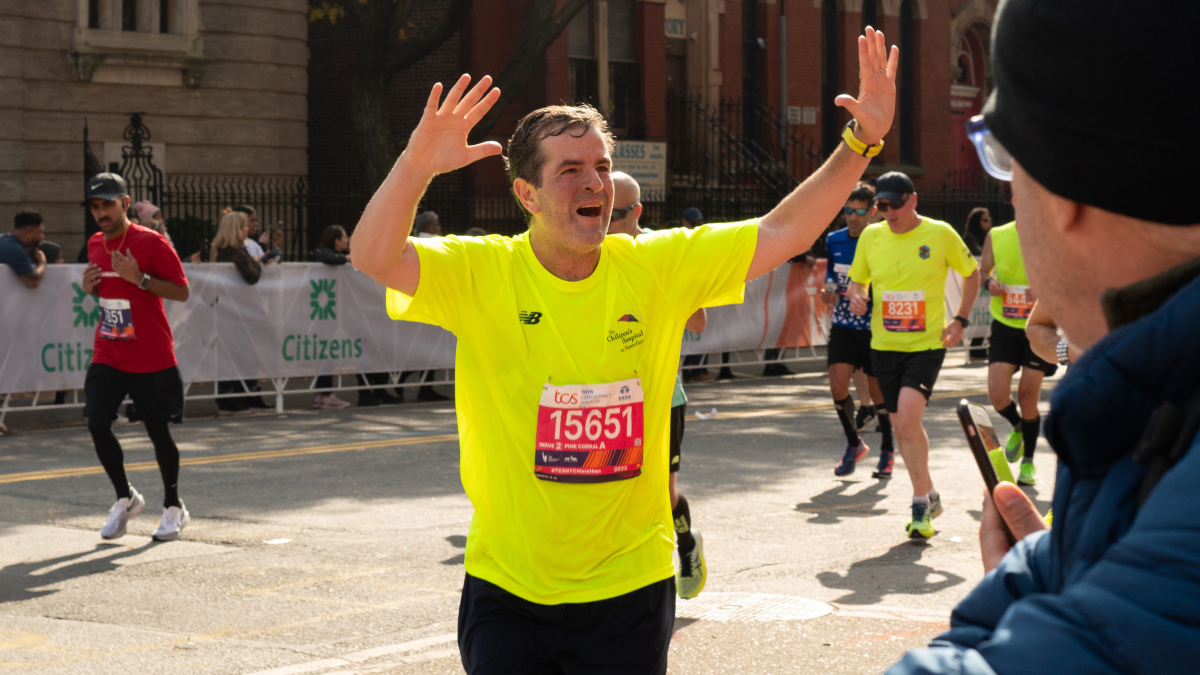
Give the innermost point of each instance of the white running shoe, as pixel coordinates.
(122, 510)
(174, 519)
(329, 402)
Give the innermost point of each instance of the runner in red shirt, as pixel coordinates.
(131, 269)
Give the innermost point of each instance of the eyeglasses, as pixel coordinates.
(858, 212)
(884, 206)
(995, 159)
(619, 214)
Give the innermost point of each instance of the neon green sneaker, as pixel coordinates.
(1015, 446)
(692, 572)
(1027, 474)
(921, 526)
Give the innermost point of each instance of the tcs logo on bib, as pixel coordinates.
(566, 398)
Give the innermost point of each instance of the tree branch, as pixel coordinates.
(543, 29)
(404, 54)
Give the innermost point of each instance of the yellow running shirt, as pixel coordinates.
(550, 525)
(908, 275)
(1014, 307)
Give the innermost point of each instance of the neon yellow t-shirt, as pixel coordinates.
(1013, 308)
(519, 328)
(908, 274)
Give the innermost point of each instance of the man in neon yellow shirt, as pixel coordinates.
(567, 344)
(906, 261)
(1009, 349)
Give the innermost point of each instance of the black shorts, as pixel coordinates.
(852, 346)
(896, 370)
(1011, 345)
(157, 395)
(499, 632)
(678, 416)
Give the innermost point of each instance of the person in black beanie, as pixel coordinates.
(1093, 113)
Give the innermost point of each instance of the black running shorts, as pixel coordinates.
(916, 370)
(499, 632)
(852, 346)
(157, 395)
(678, 417)
(1011, 345)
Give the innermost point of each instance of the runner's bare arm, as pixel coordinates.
(793, 225)
(952, 333)
(858, 298)
(987, 263)
(437, 145)
(697, 321)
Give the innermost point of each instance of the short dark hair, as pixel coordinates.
(424, 218)
(862, 193)
(525, 158)
(246, 209)
(331, 234)
(27, 218)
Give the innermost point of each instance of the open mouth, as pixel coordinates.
(589, 211)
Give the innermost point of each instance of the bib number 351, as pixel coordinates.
(590, 433)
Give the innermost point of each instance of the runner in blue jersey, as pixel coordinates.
(850, 338)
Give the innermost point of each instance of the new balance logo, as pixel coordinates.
(529, 318)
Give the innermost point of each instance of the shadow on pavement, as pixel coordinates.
(832, 505)
(19, 580)
(457, 541)
(896, 572)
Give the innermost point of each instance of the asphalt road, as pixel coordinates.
(332, 542)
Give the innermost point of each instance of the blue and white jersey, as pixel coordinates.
(841, 247)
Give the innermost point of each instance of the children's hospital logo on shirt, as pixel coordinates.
(628, 335)
(923, 252)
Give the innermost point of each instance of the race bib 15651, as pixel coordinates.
(590, 433)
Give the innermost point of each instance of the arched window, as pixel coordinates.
(830, 129)
(907, 88)
(870, 14)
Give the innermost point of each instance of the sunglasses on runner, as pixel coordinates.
(995, 159)
(619, 214)
(858, 212)
(884, 206)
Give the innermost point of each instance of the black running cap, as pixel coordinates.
(893, 185)
(1092, 100)
(105, 186)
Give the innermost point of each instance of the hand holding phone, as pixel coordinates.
(985, 446)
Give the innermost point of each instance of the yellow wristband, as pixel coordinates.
(858, 146)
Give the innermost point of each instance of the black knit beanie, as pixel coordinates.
(1099, 101)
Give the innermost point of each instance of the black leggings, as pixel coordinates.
(108, 449)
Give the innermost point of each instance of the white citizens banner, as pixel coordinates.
(307, 319)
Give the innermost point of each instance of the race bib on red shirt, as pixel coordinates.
(590, 433)
(116, 319)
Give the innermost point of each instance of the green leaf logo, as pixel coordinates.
(82, 315)
(323, 299)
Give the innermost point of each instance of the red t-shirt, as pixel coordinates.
(152, 346)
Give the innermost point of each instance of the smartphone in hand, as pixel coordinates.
(985, 446)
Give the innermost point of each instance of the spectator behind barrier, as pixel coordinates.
(427, 225)
(19, 250)
(334, 249)
(979, 221)
(149, 215)
(229, 246)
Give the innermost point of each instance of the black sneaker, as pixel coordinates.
(776, 370)
(427, 394)
(864, 417)
(387, 399)
(258, 403)
(232, 405)
(725, 374)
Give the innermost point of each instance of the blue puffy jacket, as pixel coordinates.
(1112, 588)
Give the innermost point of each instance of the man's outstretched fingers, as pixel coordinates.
(1018, 510)
(476, 113)
(473, 96)
(455, 93)
(435, 95)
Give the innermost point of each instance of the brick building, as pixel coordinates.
(764, 72)
(223, 84)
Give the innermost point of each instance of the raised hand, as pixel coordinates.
(126, 266)
(876, 102)
(439, 143)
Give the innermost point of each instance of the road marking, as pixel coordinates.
(384, 443)
(367, 654)
(232, 457)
